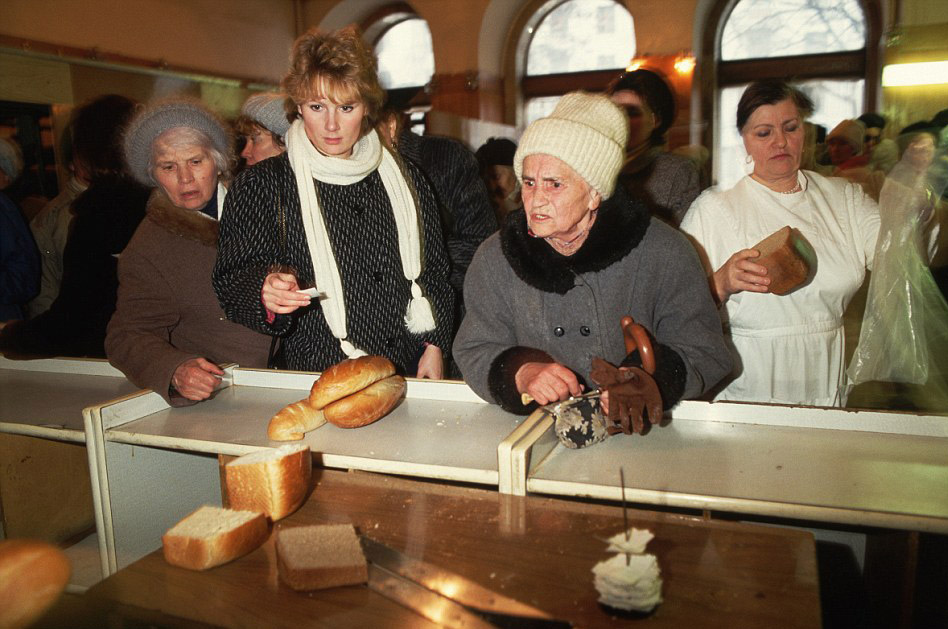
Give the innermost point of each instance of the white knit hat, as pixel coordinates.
(852, 132)
(587, 132)
(268, 109)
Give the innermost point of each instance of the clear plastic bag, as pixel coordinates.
(904, 335)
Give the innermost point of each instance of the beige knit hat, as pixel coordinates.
(851, 131)
(587, 132)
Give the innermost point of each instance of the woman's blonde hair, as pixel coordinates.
(336, 65)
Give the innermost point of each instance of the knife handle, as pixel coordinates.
(636, 338)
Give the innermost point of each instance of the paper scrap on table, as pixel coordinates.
(635, 544)
(629, 582)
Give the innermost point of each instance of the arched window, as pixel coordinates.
(405, 55)
(573, 44)
(820, 45)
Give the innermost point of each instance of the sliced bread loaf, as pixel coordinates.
(212, 536)
(273, 481)
(320, 556)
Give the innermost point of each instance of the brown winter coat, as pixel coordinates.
(167, 311)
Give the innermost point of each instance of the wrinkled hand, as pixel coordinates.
(431, 363)
(280, 294)
(627, 392)
(739, 273)
(547, 382)
(196, 379)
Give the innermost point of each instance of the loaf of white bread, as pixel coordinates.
(33, 574)
(357, 391)
(320, 556)
(212, 536)
(272, 481)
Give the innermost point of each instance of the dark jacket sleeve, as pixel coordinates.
(251, 243)
(19, 261)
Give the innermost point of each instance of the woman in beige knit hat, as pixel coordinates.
(546, 294)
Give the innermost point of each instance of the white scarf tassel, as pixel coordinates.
(420, 317)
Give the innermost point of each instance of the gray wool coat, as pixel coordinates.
(528, 303)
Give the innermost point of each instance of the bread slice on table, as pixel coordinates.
(320, 556)
(293, 421)
(212, 536)
(272, 481)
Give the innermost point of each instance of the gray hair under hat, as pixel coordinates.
(268, 109)
(11, 158)
(585, 131)
(156, 118)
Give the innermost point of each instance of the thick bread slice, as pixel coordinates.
(32, 576)
(368, 405)
(320, 556)
(788, 257)
(212, 536)
(273, 481)
(293, 421)
(347, 377)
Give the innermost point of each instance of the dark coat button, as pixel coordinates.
(390, 341)
(558, 331)
(377, 276)
(584, 330)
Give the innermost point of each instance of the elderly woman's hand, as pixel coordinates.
(740, 273)
(547, 382)
(196, 379)
(431, 363)
(280, 293)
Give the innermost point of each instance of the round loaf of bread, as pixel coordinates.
(32, 576)
(367, 405)
(348, 377)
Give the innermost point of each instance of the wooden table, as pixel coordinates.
(537, 550)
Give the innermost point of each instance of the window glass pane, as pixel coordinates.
(540, 108)
(405, 55)
(582, 35)
(777, 28)
(833, 102)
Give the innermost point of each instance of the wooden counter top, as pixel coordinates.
(537, 550)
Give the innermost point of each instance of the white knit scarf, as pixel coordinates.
(368, 154)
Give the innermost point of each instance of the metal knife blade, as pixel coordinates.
(497, 609)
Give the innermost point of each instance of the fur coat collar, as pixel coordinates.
(188, 224)
(619, 228)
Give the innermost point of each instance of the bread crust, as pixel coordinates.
(348, 377)
(33, 574)
(293, 421)
(276, 486)
(785, 253)
(201, 553)
(368, 405)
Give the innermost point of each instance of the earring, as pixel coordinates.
(748, 159)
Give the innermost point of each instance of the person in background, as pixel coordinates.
(168, 332)
(665, 182)
(496, 162)
(844, 145)
(50, 227)
(106, 216)
(19, 260)
(466, 213)
(546, 294)
(788, 349)
(339, 211)
(263, 123)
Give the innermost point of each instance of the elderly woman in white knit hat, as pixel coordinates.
(341, 216)
(546, 294)
(263, 124)
(168, 332)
